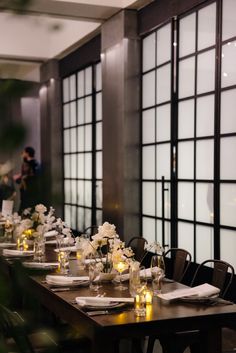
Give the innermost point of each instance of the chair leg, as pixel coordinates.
(150, 345)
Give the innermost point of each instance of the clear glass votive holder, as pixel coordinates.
(63, 259)
(39, 250)
(156, 286)
(140, 303)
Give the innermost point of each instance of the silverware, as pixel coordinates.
(108, 312)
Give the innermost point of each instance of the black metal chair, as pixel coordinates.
(180, 259)
(220, 275)
(91, 230)
(137, 244)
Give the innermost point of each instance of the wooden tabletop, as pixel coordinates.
(161, 317)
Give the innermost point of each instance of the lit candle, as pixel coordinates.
(148, 297)
(25, 245)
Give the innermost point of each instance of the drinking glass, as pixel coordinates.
(158, 273)
(64, 250)
(94, 274)
(120, 266)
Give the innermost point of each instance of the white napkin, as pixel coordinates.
(7, 245)
(101, 301)
(12, 252)
(89, 261)
(125, 277)
(68, 248)
(41, 264)
(62, 280)
(51, 233)
(203, 290)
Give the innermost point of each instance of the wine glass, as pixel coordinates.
(120, 266)
(158, 272)
(94, 274)
(64, 249)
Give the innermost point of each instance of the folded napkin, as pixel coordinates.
(101, 301)
(41, 264)
(12, 252)
(89, 261)
(203, 290)
(125, 277)
(7, 245)
(51, 233)
(65, 280)
(67, 248)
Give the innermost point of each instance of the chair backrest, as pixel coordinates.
(222, 275)
(13, 326)
(91, 230)
(137, 244)
(181, 259)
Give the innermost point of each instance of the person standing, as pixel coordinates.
(29, 180)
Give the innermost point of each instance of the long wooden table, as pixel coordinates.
(161, 317)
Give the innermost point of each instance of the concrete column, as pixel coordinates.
(121, 122)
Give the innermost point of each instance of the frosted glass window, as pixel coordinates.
(99, 165)
(67, 166)
(149, 162)
(205, 116)
(80, 218)
(228, 246)
(98, 77)
(205, 159)
(73, 192)
(80, 190)
(149, 89)
(159, 200)
(228, 74)
(66, 141)
(163, 123)
(88, 193)
(185, 160)
(88, 138)
(187, 33)
(163, 161)
(68, 215)
(99, 194)
(66, 115)
(185, 236)
(80, 166)
(148, 126)
(207, 26)
(80, 138)
(99, 136)
(186, 119)
(149, 52)
(185, 200)
(99, 106)
(88, 165)
(204, 202)
(73, 166)
(149, 229)
(80, 111)
(159, 231)
(206, 72)
(80, 83)
(228, 109)
(164, 44)
(227, 158)
(229, 20)
(72, 114)
(204, 243)
(88, 80)
(67, 186)
(186, 77)
(73, 217)
(99, 217)
(163, 84)
(65, 90)
(228, 204)
(72, 87)
(88, 109)
(87, 217)
(73, 140)
(149, 199)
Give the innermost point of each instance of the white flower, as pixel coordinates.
(40, 208)
(107, 230)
